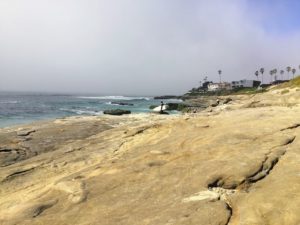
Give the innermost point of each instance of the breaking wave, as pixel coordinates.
(115, 98)
(9, 102)
(82, 112)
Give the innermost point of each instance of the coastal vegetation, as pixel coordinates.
(294, 83)
(236, 91)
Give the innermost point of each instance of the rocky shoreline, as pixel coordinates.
(235, 162)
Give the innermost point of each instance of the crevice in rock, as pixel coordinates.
(291, 127)
(17, 154)
(120, 146)
(224, 189)
(140, 130)
(136, 132)
(230, 210)
(17, 173)
(6, 150)
(73, 150)
(217, 183)
(289, 141)
(267, 165)
(41, 208)
(24, 133)
(220, 183)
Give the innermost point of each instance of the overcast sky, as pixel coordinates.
(142, 47)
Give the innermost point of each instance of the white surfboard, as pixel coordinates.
(157, 109)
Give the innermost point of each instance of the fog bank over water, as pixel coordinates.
(141, 47)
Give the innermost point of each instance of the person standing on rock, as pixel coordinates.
(161, 106)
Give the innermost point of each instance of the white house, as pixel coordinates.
(244, 83)
(219, 86)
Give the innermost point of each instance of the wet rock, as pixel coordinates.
(122, 103)
(176, 106)
(116, 112)
(167, 97)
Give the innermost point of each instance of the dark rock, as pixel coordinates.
(167, 97)
(227, 100)
(116, 112)
(177, 106)
(163, 112)
(122, 103)
(172, 106)
(216, 103)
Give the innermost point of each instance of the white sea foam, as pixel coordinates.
(82, 112)
(9, 102)
(115, 98)
(110, 103)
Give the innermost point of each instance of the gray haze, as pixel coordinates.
(137, 47)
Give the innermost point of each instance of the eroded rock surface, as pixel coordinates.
(235, 165)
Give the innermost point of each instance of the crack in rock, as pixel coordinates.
(267, 165)
(223, 190)
(12, 155)
(229, 208)
(291, 127)
(23, 133)
(39, 209)
(140, 130)
(17, 173)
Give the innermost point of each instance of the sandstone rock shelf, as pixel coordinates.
(231, 164)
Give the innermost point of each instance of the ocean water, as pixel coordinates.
(18, 108)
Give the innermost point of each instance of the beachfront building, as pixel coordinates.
(245, 83)
(219, 86)
(202, 89)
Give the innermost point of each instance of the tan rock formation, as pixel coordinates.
(238, 164)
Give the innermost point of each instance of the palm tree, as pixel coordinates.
(293, 71)
(256, 74)
(262, 70)
(220, 72)
(275, 72)
(281, 73)
(288, 69)
(271, 74)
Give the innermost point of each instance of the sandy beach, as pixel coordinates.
(236, 163)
